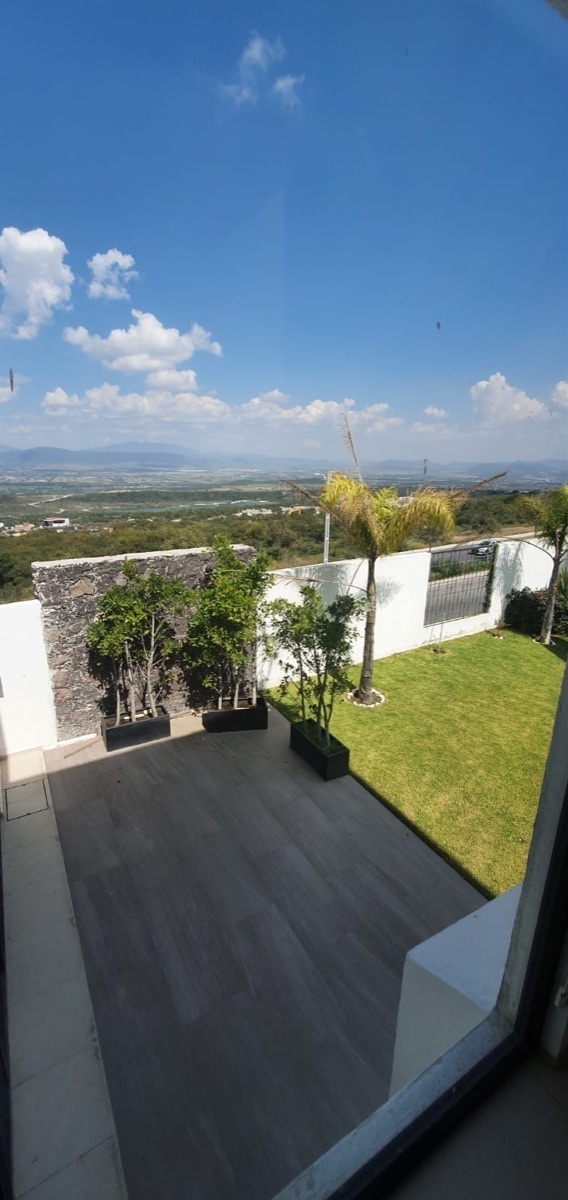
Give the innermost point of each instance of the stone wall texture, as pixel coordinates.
(68, 591)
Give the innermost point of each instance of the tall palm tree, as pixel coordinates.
(550, 515)
(379, 523)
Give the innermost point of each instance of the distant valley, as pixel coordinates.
(180, 465)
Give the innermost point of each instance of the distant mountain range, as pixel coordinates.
(163, 456)
(109, 456)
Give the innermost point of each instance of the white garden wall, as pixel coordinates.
(27, 716)
(518, 565)
(402, 582)
(27, 712)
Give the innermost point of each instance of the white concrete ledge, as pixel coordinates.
(134, 557)
(450, 983)
(64, 1142)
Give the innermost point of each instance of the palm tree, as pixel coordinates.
(550, 515)
(379, 523)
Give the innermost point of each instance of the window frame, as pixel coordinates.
(393, 1140)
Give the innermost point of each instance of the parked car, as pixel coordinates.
(482, 549)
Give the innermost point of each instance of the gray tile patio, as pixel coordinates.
(244, 927)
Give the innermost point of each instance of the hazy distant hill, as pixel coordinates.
(149, 456)
(551, 470)
(54, 457)
(151, 448)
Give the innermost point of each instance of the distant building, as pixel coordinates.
(255, 512)
(55, 523)
(20, 530)
(299, 508)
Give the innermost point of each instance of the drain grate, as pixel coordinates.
(23, 799)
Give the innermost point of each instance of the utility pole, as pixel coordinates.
(326, 538)
(327, 523)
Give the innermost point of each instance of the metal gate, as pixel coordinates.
(460, 583)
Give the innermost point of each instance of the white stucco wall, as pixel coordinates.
(27, 716)
(519, 564)
(402, 582)
(27, 713)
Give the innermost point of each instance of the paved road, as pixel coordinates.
(461, 596)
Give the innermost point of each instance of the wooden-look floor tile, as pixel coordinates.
(244, 927)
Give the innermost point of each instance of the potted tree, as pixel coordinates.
(220, 645)
(134, 651)
(315, 645)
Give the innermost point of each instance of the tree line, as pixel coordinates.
(287, 540)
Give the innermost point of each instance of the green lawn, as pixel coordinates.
(459, 748)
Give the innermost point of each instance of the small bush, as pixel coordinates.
(525, 609)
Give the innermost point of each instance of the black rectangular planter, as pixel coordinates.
(134, 733)
(233, 720)
(330, 765)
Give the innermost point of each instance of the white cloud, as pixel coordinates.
(258, 404)
(275, 407)
(257, 56)
(34, 278)
(260, 52)
(286, 88)
(271, 406)
(110, 274)
(436, 431)
(170, 380)
(366, 415)
(560, 394)
(145, 346)
(241, 93)
(108, 400)
(275, 396)
(58, 402)
(496, 402)
(381, 424)
(374, 418)
(324, 410)
(436, 413)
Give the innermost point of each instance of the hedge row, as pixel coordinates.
(525, 610)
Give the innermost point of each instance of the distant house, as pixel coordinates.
(255, 512)
(20, 530)
(55, 523)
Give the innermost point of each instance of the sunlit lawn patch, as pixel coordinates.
(459, 748)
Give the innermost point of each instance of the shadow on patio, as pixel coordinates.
(244, 927)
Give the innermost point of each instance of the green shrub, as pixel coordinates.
(525, 609)
(220, 643)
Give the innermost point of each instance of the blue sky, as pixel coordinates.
(290, 212)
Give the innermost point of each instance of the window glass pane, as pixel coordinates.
(291, 280)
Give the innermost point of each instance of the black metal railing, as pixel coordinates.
(460, 583)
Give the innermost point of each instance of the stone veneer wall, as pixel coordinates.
(68, 591)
